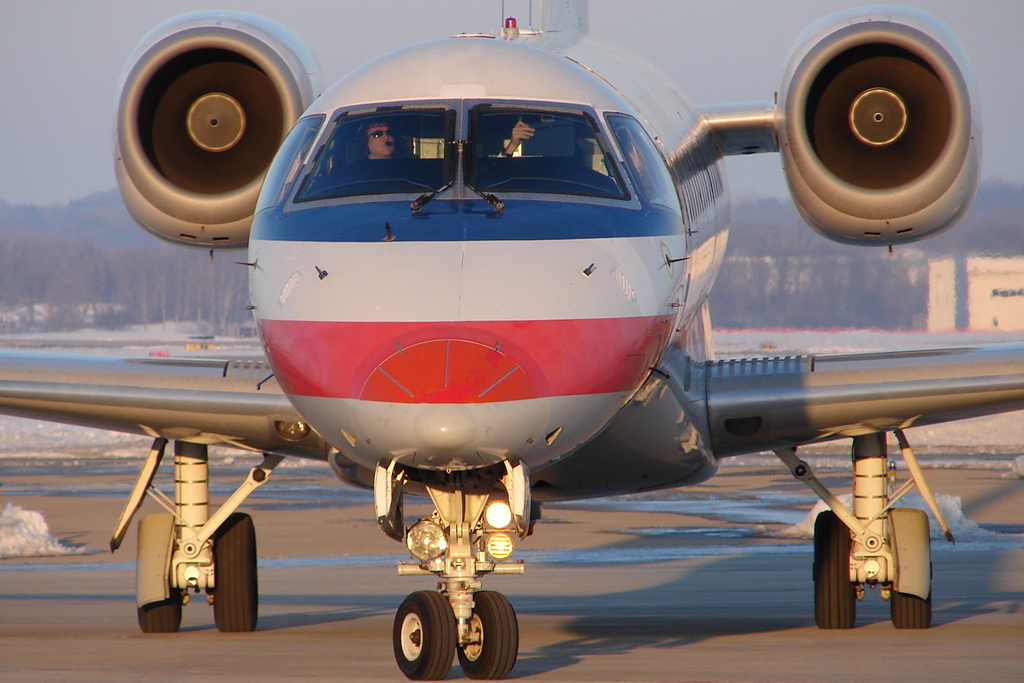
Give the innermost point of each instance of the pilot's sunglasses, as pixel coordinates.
(380, 133)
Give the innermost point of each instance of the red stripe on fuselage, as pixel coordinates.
(558, 358)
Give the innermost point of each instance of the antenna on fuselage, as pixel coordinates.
(565, 16)
(529, 12)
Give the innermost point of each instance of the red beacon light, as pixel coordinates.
(511, 30)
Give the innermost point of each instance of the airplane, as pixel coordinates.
(479, 268)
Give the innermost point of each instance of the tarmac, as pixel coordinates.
(596, 603)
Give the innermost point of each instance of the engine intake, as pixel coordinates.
(206, 100)
(878, 138)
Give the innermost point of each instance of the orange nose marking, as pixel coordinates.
(447, 371)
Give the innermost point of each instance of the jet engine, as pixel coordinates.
(205, 101)
(877, 135)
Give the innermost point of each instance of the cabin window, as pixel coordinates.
(563, 155)
(384, 152)
(645, 164)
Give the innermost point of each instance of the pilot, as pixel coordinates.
(380, 141)
(521, 131)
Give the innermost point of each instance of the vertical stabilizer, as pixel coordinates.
(565, 16)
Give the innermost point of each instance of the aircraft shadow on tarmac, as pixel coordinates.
(345, 608)
(730, 596)
(739, 596)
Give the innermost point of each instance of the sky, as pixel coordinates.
(60, 62)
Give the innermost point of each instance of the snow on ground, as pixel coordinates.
(130, 336)
(963, 529)
(24, 533)
(730, 343)
(24, 438)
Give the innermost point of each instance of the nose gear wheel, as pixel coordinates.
(424, 636)
(494, 638)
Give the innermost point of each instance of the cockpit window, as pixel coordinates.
(644, 161)
(402, 151)
(281, 175)
(560, 153)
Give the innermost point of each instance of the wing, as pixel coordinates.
(757, 404)
(226, 401)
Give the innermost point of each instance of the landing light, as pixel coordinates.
(426, 540)
(498, 515)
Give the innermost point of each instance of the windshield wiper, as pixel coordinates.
(463, 148)
(421, 201)
(489, 198)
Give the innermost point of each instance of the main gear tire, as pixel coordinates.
(236, 591)
(835, 596)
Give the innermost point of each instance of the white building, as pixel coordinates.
(976, 293)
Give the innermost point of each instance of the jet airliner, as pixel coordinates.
(479, 269)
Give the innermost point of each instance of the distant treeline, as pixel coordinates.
(86, 263)
(52, 283)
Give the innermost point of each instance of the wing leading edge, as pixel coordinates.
(757, 404)
(236, 402)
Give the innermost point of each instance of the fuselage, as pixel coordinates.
(450, 304)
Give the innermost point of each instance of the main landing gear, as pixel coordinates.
(875, 544)
(468, 535)
(187, 550)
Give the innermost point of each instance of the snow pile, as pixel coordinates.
(951, 506)
(24, 533)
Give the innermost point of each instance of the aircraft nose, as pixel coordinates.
(445, 427)
(449, 371)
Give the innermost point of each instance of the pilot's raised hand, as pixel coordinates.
(521, 131)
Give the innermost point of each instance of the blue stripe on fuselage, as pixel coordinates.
(463, 220)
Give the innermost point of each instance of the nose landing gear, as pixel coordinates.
(468, 535)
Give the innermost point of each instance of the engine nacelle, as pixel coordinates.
(877, 135)
(206, 99)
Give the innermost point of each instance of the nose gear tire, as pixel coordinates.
(495, 633)
(424, 636)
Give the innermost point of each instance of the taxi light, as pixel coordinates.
(291, 431)
(500, 546)
(498, 515)
(426, 540)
